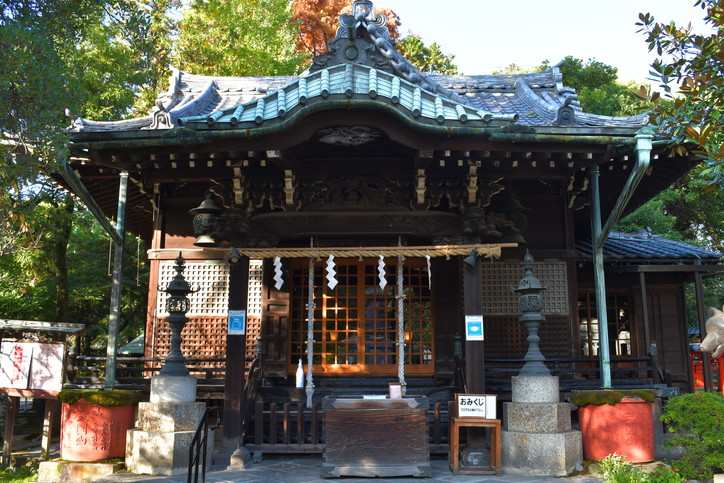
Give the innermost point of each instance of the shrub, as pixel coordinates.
(698, 421)
(663, 474)
(615, 469)
(23, 474)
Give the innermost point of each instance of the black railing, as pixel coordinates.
(460, 382)
(199, 444)
(251, 394)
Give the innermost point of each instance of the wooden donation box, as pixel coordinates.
(376, 437)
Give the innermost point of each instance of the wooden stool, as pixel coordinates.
(472, 422)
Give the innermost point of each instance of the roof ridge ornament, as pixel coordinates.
(362, 13)
(363, 38)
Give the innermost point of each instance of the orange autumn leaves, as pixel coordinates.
(319, 20)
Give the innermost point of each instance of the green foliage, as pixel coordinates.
(29, 282)
(598, 90)
(24, 474)
(615, 469)
(106, 398)
(429, 59)
(515, 69)
(697, 419)
(597, 398)
(689, 75)
(663, 474)
(238, 38)
(688, 211)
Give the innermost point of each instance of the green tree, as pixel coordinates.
(689, 73)
(91, 58)
(429, 59)
(238, 38)
(598, 89)
(515, 69)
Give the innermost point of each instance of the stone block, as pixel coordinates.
(173, 389)
(56, 471)
(536, 417)
(535, 389)
(169, 416)
(161, 453)
(541, 454)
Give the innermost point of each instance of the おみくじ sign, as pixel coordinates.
(476, 405)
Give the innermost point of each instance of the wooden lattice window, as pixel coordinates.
(498, 299)
(209, 279)
(355, 325)
(618, 313)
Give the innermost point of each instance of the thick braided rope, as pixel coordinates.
(491, 251)
(400, 322)
(310, 325)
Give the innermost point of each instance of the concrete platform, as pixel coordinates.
(298, 469)
(68, 472)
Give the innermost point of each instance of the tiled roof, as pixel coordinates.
(348, 81)
(538, 100)
(643, 246)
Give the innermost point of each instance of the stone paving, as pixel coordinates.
(306, 470)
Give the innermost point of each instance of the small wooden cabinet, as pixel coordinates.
(376, 437)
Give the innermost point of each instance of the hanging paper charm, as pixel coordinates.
(429, 272)
(381, 272)
(331, 273)
(278, 280)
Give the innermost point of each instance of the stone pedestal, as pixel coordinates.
(537, 439)
(165, 427)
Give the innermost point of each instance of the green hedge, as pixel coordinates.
(101, 397)
(597, 398)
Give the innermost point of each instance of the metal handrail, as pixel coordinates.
(251, 391)
(199, 443)
(460, 382)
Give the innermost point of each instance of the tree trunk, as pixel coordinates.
(61, 261)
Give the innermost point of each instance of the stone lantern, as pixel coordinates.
(166, 424)
(531, 304)
(177, 305)
(537, 439)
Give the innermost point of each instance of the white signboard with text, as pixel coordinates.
(476, 405)
(31, 365)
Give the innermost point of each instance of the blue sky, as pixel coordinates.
(486, 35)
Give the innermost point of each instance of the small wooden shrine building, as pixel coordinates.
(432, 184)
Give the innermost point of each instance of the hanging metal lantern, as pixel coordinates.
(206, 218)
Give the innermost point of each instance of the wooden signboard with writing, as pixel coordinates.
(31, 369)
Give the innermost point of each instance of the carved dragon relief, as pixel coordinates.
(348, 136)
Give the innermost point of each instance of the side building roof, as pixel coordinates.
(643, 247)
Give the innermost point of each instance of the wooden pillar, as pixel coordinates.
(706, 357)
(474, 350)
(235, 357)
(51, 406)
(11, 411)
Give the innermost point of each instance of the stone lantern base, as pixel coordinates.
(165, 427)
(537, 439)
